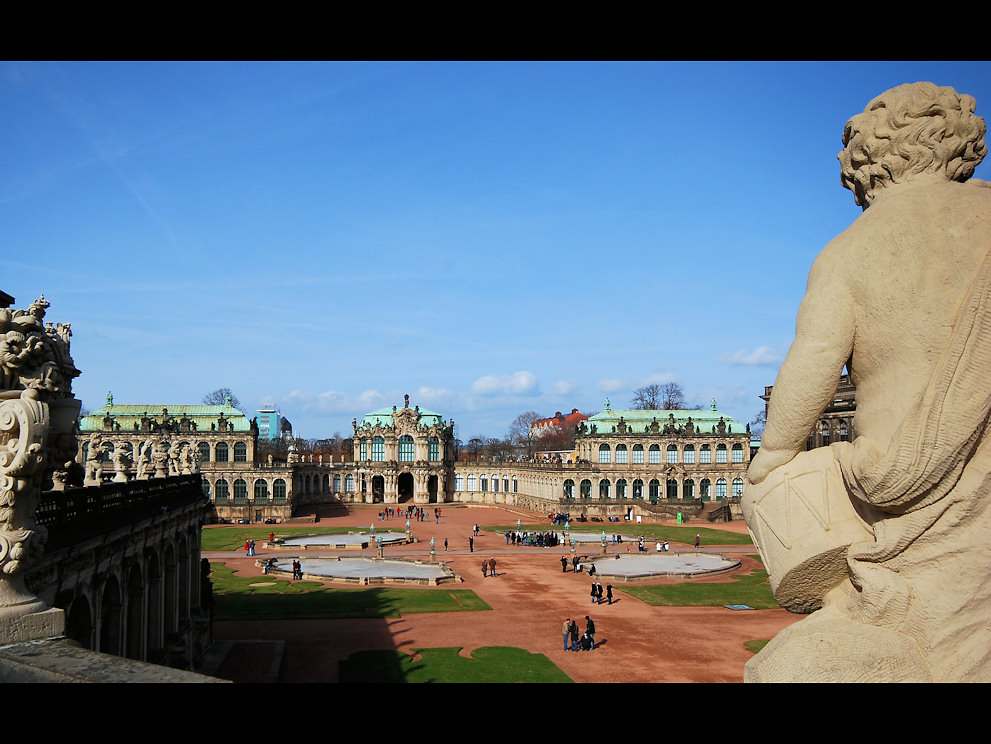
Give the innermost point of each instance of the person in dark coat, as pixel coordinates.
(593, 594)
(590, 629)
(564, 564)
(609, 593)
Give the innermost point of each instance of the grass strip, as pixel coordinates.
(487, 665)
(752, 590)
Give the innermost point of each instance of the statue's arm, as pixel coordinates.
(807, 380)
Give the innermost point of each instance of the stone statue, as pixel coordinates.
(144, 460)
(888, 534)
(122, 464)
(94, 460)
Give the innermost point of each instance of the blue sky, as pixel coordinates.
(490, 238)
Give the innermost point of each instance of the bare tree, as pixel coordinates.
(219, 396)
(520, 433)
(647, 398)
(672, 396)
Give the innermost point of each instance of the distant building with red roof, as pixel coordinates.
(557, 423)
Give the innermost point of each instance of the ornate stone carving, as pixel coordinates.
(888, 533)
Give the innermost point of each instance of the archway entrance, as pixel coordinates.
(432, 489)
(378, 489)
(404, 486)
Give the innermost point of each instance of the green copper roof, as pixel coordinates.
(638, 419)
(383, 416)
(127, 415)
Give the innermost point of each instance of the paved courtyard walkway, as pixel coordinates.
(530, 597)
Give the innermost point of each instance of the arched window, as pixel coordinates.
(637, 454)
(737, 452)
(433, 449)
(472, 482)
(569, 489)
(349, 483)
(261, 489)
(484, 483)
(704, 488)
(688, 489)
(206, 488)
(844, 432)
(279, 489)
(737, 488)
(720, 453)
(720, 489)
(240, 489)
(108, 451)
(654, 489)
(221, 490)
(604, 453)
(240, 452)
(337, 483)
(705, 454)
(378, 449)
(621, 453)
(672, 454)
(604, 488)
(825, 433)
(515, 485)
(672, 488)
(638, 489)
(495, 482)
(363, 449)
(405, 448)
(689, 454)
(222, 452)
(505, 483)
(204, 449)
(654, 456)
(586, 488)
(459, 482)
(621, 488)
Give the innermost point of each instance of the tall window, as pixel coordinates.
(405, 448)
(720, 489)
(688, 489)
(654, 457)
(495, 482)
(621, 453)
(378, 449)
(637, 454)
(363, 449)
(222, 489)
(704, 488)
(654, 489)
(604, 488)
(569, 489)
(485, 483)
(459, 482)
(204, 449)
(586, 488)
(206, 487)
(240, 452)
(621, 488)
(705, 454)
(515, 485)
(349, 483)
(638, 489)
(672, 488)
(505, 483)
(689, 454)
(279, 489)
(472, 482)
(737, 453)
(240, 489)
(261, 489)
(720, 453)
(433, 449)
(672, 453)
(337, 483)
(604, 454)
(737, 488)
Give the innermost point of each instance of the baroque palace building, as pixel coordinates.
(624, 462)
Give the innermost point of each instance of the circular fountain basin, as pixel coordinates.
(350, 541)
(631, 567)
(367, 570)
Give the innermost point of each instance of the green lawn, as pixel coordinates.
(752, 590)
(281, 599)
(652, 532)
(490, 664)
(232, 537)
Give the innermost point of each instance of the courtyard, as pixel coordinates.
(529, 598)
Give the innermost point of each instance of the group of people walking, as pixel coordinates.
(489, 567)
(596, 593)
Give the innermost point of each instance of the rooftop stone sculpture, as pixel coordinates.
(885, 538)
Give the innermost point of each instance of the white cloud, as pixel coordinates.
(521, 383)
(611, 386)
(762, 356)
(332, 401)
(564, 387)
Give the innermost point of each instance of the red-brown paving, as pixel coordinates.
(530, 597)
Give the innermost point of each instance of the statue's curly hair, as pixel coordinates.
(911, 129)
